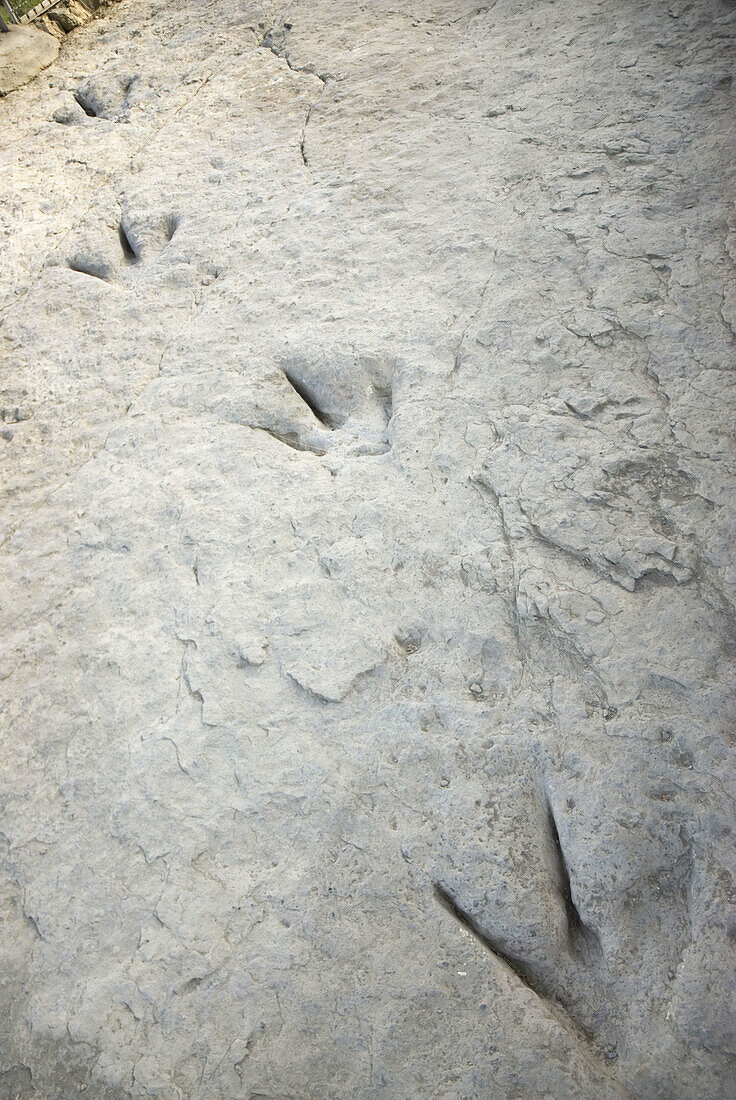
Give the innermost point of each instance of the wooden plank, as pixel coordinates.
(39, 9)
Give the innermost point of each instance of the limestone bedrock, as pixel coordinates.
(367, 553)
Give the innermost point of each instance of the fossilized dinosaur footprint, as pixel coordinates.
(101, 95)
(108, 254)
(310, 408)
(544, 953)
(572, 910)
(351, 397)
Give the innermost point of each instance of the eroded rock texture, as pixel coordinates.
(368, 575)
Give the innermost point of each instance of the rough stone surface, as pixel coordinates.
(367, 553)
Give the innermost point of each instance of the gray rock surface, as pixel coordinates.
(367, 554)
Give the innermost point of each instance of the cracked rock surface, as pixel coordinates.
(367, 537)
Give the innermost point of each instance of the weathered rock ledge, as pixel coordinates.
(27, 50)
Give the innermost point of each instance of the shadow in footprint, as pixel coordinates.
(90, 265)
(130, 254)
